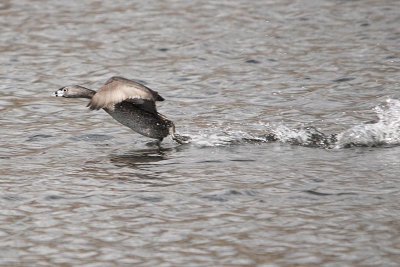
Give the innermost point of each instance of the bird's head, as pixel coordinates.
(72, 91)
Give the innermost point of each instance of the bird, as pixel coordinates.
(131, 104)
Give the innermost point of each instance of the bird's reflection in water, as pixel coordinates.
(142, 157)
(146, 166)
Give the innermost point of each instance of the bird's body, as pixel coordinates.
(130, 103)
(151, 125)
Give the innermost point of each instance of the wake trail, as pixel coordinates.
(384, 132)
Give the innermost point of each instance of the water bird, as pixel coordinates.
(131, 104)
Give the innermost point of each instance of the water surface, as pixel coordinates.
(78, 189)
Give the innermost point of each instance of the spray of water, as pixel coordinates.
(384, 132)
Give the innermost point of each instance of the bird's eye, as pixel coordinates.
(65, 90)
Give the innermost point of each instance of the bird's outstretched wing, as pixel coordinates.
(118, 89)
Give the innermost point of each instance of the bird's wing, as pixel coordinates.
(118, 89)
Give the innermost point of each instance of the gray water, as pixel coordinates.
(78, 189)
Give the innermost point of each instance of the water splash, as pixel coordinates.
(384, 132)
(222, 138)
(305, 136)
(308, 136)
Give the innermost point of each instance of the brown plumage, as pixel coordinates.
(130, 103)
(118, 89)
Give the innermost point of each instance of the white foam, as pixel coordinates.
(211, 139)
(386, 131)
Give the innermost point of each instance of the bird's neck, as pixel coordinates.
(85, 93)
